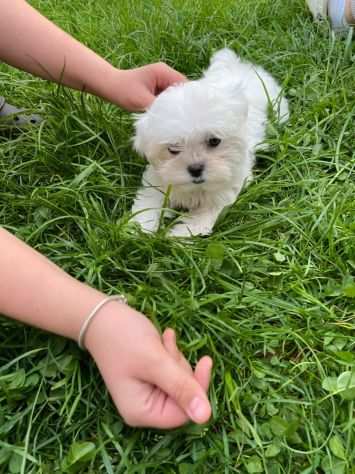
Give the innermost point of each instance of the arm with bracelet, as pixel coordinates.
(137, 364)
(150, 381)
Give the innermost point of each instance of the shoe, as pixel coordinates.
(11, 116)
(340, 12)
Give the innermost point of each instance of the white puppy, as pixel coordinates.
(200, 138)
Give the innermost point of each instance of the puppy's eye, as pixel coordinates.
(173, 151)
(213, 142)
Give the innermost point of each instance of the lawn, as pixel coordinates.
(270, 295)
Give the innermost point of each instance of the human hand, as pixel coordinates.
(135, 89)
(150, 381)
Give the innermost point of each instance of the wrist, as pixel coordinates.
(106, 84)
(109, 321)
(80, 299)
(104, 302)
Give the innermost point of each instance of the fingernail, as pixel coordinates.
(197, 410)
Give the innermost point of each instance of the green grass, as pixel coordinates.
(270, 295)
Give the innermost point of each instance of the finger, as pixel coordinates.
(203, 367)
(169, 341)
(160, 76)
(142, 404)
(182, 387)
(203, 372)
(166, 76)
(144, 98)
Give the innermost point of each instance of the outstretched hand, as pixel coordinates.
(149, 379)
(137, 88)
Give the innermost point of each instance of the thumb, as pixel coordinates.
(144, 99)
(182, 387)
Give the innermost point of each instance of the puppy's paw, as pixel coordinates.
(148, 223)
(189, 230)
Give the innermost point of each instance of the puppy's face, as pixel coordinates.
(193, 135)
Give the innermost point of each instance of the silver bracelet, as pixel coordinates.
(93, 313)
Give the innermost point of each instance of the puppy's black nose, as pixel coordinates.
(196, 169)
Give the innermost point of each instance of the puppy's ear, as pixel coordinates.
(224, 58)
(237, 99)
(138, 144)
(139, 139)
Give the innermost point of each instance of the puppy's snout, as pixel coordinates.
(196, 169)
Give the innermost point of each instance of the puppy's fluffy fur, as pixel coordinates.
(200, 138)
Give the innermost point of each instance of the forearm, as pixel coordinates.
(32, 43)
(35, 291)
